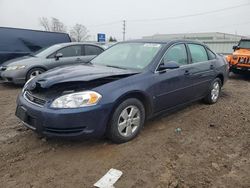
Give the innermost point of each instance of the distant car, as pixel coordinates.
(15, 42)
(122, 87)
(18, 71)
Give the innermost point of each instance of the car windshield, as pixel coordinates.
(244, 44)
(128, 55)
(44, 52)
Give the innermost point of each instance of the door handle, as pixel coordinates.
(211, 66)
(78, 59)
(187, 73)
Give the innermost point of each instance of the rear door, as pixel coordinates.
(201, 71)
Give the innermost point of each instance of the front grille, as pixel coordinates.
(33, 99)
(244, 60)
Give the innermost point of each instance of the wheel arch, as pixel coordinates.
(35, 67)
(221, 77)
(141, 96)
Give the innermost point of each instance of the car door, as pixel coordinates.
(171, 86)
(69, 55)
(90, 51)
(200, 72)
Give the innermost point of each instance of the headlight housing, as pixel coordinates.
(15, 67)
(235, 57)
(77, 100)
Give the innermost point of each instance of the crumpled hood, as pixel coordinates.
(75, 73)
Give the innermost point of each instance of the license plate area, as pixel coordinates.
(28, 120)
(21, 113)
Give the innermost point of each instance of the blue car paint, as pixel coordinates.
(162, 91)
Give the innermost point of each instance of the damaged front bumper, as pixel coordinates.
(79, 122)
(240, 68)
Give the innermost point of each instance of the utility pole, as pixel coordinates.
(124, 29)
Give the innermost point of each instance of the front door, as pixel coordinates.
(70, 55)
(171, 85)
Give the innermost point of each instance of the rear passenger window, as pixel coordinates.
(210, 54)
(177, 53)
(92, 50)
(70, 51)
(198, 53)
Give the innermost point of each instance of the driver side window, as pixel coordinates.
(177, 53)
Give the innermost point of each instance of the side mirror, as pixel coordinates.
(58, 56)
(168, 65)
(235, 48)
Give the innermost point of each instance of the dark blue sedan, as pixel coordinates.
(117, 91)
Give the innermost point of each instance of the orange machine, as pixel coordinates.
(239, 61)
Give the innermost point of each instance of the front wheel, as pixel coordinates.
(34, 72)
(214, 92)
(127, 121)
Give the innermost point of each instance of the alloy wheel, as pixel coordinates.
(215, 91)
(35, 73)
(129, 121)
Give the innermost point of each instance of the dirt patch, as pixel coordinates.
(211, 148)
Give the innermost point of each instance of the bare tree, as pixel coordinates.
(44, 22)
(57, 25)
(79, 33)
(52, 25)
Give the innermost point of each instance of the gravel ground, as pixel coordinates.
(212, 149)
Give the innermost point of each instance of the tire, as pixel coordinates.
(214, 92)
(34, 72)
(126, 121)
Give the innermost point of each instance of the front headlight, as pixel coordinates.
(16, 67)
(235, 57)
(77, 100)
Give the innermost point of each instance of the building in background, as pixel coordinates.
(219, 42)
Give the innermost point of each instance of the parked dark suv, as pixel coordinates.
(15, 42)
(122, 87)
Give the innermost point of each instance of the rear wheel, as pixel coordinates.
(214, 92)
(127, 121)
(34, 72)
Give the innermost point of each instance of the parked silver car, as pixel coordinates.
(18, 71)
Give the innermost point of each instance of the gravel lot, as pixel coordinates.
(212, 150)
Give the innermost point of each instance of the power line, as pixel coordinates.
(191, 15)
(173, 17)
(168, 18)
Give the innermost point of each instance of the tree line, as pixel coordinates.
(77, 33)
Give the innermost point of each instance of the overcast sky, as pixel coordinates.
(95, 14)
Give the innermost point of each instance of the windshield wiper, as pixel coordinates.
(113, 66)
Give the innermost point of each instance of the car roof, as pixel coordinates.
(78, 43)
(162, 41)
